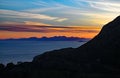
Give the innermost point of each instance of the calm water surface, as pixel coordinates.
(14, 51)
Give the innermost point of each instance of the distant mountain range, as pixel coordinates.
(54, 38)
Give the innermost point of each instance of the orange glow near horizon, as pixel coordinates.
(75, 31)
(7, 34)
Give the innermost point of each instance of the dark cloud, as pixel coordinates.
(45, 29)
(20, 29)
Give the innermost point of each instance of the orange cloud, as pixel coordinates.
(18, 31)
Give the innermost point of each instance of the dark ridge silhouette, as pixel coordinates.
(54, 38)
(98, 58)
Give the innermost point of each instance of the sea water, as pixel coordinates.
(15, 51)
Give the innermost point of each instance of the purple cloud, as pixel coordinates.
(44, 29)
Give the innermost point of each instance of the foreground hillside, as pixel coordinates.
(98, 58)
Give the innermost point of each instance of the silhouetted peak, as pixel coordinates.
(112, 28)
(117, 19)
(108, 37)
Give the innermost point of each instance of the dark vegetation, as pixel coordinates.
(98, 58)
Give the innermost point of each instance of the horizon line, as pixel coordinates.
(45, 37)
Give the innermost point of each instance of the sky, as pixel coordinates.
(38, 18)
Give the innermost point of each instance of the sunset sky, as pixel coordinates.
(37, 18)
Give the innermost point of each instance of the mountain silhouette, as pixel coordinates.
(98, 58)
(54, 38)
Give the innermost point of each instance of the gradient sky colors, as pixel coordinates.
(37, 18)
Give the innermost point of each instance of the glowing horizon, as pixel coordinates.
(79, 18)
(26, 31)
